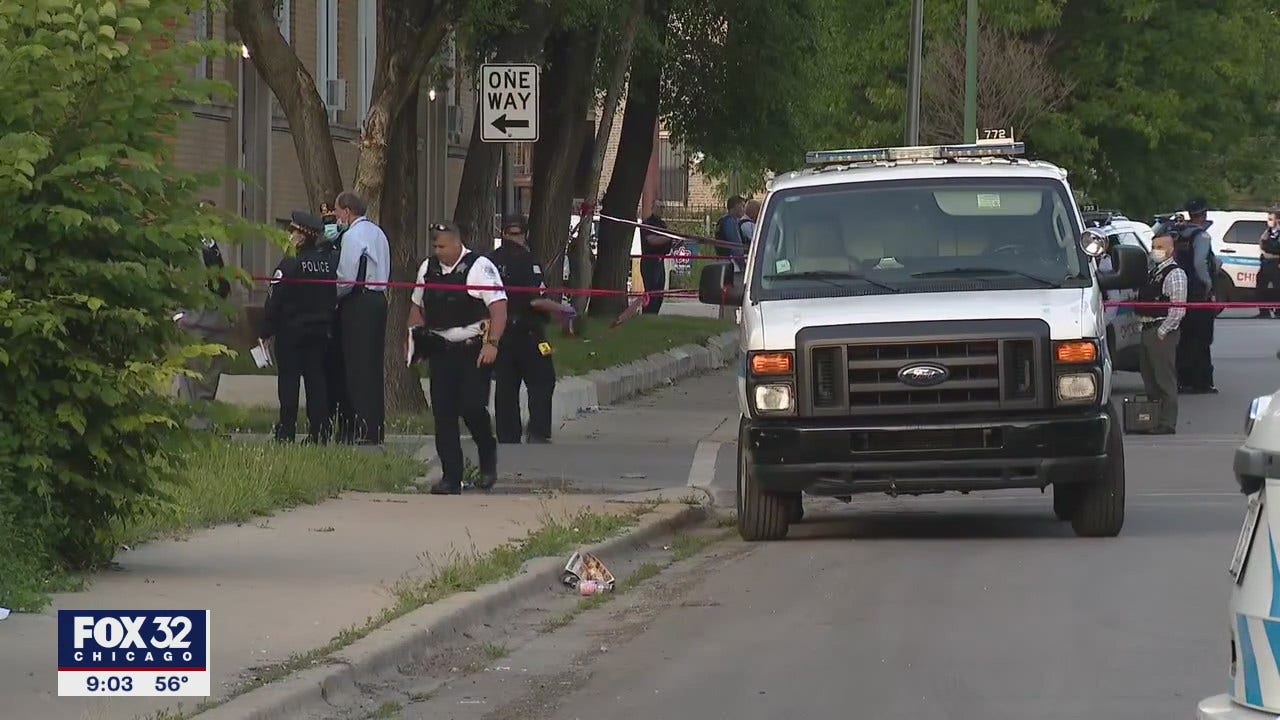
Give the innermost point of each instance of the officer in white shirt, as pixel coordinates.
(458, 331)
(362, 322)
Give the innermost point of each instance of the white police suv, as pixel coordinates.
(921, 320)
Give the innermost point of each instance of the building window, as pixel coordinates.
(673, 173)
(327, 81)
(284, 18)
(368, 59)
(202, 27)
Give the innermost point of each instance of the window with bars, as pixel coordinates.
(202, 29)
(673, 173)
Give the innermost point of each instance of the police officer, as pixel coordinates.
(365, 256)
(524, 355)
(653, 270)
(299, 314)
(1269, 269)
(1157, 361)
(211, 325)
(1193, 252)
(458, 330)
(335, 369)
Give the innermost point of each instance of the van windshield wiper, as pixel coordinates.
(829, 276)
(985, 271)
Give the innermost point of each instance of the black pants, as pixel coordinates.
(303, 357)
(1195, 361)
(336, 373)
(1269, 285)
(362, 316)
(520, 361)
(460, 391)
(654, 275)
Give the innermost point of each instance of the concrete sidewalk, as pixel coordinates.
(285, 585)
(573, 395)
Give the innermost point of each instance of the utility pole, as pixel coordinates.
(913, 72)
(971, 73)
(508, 181)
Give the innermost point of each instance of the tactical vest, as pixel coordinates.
(1184, 256)
(515, 265)
(1271, 242)
(1153, 292)
(448, 307)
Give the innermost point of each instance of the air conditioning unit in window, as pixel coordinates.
(335, 95)
(453, 127)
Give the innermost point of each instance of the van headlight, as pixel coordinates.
(1257, 408)
(1077, 387)
(774, 398)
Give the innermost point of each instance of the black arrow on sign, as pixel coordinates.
(501, 123)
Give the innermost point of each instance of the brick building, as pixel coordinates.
(336, 41)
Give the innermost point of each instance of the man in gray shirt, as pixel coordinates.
(362, 321)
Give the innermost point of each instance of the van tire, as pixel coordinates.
(762, 516)
(1065, 499)
(1099, 510)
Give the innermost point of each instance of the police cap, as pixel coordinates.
(514, 221)
(1196, 206)
(306, 222)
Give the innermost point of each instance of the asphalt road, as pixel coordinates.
(959, 607)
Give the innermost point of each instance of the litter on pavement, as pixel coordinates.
(585, 573)
(4, 613)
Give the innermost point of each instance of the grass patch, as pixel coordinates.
(685, 546)
(262, 419)
(386, 710)
(463, 573)
(597, 347)
(228, 481)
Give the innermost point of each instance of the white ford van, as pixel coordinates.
(923, 320)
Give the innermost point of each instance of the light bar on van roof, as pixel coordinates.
(921, 152)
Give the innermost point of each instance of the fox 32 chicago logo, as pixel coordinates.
(140, 653)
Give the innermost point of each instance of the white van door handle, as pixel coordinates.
(1227, 251)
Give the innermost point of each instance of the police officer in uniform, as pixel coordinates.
(1158, 360)
(1269, 269)
(458, 331)
(335, 369)
(524, 355)
(1193, 251)
(299, 314)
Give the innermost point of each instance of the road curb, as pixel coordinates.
(412, 636)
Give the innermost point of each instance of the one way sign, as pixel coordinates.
(509, 103)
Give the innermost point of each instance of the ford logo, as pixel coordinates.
(922, 375)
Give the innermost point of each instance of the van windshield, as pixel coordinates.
(915, 236)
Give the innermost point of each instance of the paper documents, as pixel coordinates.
(261, 356)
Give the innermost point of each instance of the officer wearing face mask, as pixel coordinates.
(299, 315)
(1158, 360)
(1269, 271)
(335, 369)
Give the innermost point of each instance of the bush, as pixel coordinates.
(99, 247)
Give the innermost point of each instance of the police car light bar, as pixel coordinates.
(921, 152)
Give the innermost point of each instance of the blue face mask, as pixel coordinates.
(331, 232)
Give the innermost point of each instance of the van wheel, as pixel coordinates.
(761, 515)
(795, 507)
(1065, 499)
(1099, 511)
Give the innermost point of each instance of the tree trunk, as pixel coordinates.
(630, 168)
(608, 109)
(413, 32)
(400, 200)
(478, 189)
(295, 89)
(568, 84)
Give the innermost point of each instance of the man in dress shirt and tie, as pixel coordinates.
(362, 317)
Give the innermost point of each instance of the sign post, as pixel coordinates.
(509, 103)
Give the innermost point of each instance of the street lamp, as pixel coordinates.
(914, 62)
(971, 73)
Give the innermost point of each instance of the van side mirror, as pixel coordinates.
(719, 284)
(1130, 269)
